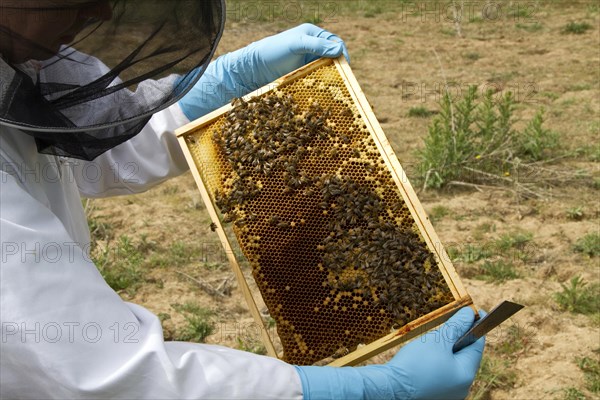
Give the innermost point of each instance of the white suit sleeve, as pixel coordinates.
(149, 158)
(66, 334)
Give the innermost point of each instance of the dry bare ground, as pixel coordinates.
(393, 48)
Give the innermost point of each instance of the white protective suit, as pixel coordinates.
(65, 333)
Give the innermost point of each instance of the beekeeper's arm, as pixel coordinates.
(154, 155)
(66, 334)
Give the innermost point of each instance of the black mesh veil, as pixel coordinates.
(90, 74)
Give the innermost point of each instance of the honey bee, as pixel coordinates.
(213, 226)
(347, 113)
(308, 191)
(283, 225)
(340, 352)
(229, 217)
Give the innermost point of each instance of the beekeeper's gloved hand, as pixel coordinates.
(238, 73)
(425, 368)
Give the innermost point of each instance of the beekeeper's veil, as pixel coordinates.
(76, 106)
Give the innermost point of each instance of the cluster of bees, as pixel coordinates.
(395, 259)
(268, 134)
(366, 252)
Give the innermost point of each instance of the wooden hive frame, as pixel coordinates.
(408, 331)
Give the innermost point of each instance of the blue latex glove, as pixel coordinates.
(425, 368)
(237, 74)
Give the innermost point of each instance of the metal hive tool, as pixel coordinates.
(340, 248)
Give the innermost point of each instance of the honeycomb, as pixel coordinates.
(334, 250)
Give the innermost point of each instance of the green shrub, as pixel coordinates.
(514, 240)
(497, 271)
(576, 28)
(575, 213)
(579, 297)
(473, 140)
(535, 140)
(588, 244)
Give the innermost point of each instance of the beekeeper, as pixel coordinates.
(74, 126)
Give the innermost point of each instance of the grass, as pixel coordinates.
(591, 372)
(575, 213)
(514, 245)
(576, 28)
(198, 322)
(448, 32)
(497, 271)
(495, 261)
(170, 190)
(572, 393)
(593, 8)
(588, 244)
(473, 140)
(178, 254)
(473, 253)
(182, 253)
(494, 373)
(251, 346)
(312, 11)
(498, 255)
(517, 340)
(121, 265)
(503, 77)
(420, 112)
(163, 316)
(530, 27)
(496, 365)
(122, 262)
(579, 87)
(594, 154)
(372, 12)
(482, 229)
(472, 55)
(100, 229)
(534, 142)
(522, 11)
(438, 212)
(579, 297)
(514, 240)
(550, 95)
(271, 322)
